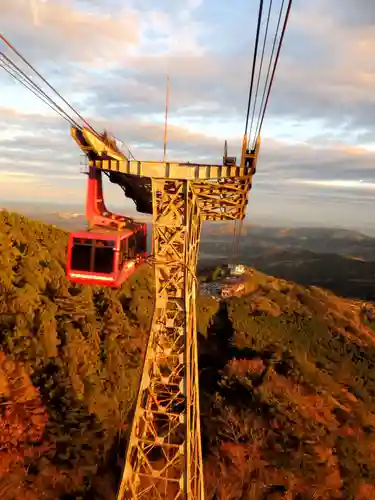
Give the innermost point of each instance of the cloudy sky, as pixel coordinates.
(110, 59)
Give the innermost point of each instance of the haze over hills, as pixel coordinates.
(267, 233)
(67, 217)
(286, 379)
(320, 240)
(261, 224)
(341, 260)
(338, 259)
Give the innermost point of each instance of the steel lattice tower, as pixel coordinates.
(164, 455)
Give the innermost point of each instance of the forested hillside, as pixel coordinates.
(287, 382)
(69, 369)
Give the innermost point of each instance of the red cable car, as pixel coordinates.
(102, 257)
(109, 252)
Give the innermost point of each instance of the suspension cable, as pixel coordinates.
(260, 70)
(235, 227)
(254, 63)
(257, 130)
(46, 82)
(238, 237)
(276, 61)
(36, 90)
(16, 77)
(238, 228)
(13, 70)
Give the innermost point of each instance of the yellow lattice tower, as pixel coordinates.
(164, 455)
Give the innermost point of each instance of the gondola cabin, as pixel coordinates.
(105, 257)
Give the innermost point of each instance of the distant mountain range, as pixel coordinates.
(314, 239)
(68, 220)
(257, 240)
(338, 259)
(345, 264)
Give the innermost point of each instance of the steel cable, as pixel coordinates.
(260, 70)
(254, 64)
(13, 70)
(46, 82)
(275, 65)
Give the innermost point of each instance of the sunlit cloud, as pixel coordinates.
(335, 184)
(110, 60)
(17, 177)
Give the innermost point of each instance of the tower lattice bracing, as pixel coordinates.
(164, 455)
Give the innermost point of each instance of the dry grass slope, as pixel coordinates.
(292, 411)
(287, 382)
(78, 350)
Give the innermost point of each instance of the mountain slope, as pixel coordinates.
(286, 372)
(317, 240)
(292, 385)
(80, 347)
(345, 275)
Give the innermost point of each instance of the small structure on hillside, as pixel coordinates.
(236, 269)
(232, 290)
(226, 281)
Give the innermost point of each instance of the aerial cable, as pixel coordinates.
(16, 77)
(257, 130)
(12, 69)
(262, 114)
(254, 63)
(237, 230)
(276, 61)
(39, 92)
(260, 15)
(36, 90)
(235, 226)
(47, 83)
(260, 71)
(238, 237)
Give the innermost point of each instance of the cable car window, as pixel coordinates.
(103, 256)
(123, 251)
(82, 241)
(132, 247)
(105, 243)
(141, 242)
(81, 254)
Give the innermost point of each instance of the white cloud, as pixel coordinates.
(69, 33)
(110, 60)
(16, 176)
(336, 183)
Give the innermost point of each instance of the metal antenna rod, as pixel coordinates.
(166, 119)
